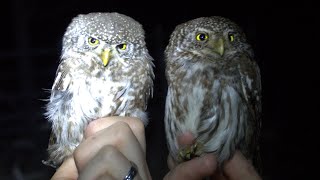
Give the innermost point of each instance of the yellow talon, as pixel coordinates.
(189, 152)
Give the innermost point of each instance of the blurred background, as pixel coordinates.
(283, 36)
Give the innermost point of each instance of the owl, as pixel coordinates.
(214, 91)
(105, 70)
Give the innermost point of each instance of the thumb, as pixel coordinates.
(67, 171)
(195, 169)
(240, 168)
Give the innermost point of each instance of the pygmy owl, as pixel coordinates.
(214, 90)
(105, 70)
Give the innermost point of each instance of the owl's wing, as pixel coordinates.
(63, 77)
(59, 95)
(251, 83)
(251, 89)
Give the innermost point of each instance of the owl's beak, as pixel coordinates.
(105, 56)
(218, 46)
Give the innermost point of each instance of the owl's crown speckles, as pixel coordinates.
(103, 25)
(213, 23)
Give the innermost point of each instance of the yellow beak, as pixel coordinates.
(218, 46)
(105, 56)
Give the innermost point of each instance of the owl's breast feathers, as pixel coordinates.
(219, 105)
(78, 97)
(104, 93)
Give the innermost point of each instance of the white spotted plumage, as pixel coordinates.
(86, 88)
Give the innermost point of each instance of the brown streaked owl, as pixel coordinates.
(105, 70)
(214, 91)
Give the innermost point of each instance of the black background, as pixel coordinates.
(283, 35)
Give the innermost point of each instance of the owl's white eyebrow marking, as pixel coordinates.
(203, 30)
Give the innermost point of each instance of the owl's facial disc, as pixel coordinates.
(105, 56)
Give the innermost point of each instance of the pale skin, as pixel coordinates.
(111, 143)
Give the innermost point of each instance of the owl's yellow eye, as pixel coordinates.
(231, 37)
(122, 46)
(201, 37)
(93, 41)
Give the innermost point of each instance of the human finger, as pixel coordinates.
(135, 124)
(171, 163)
(195, 169)
(67, 171)
(108, 163)
(238, 167)
(121, 137)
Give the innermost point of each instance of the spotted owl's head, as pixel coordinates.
(104, 37)
(215, 37)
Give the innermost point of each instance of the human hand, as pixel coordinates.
(237, 168)
(108, 147)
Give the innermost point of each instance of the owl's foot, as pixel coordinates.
(189, 152)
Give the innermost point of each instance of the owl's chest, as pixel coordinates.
(97, 97)
(203, 86)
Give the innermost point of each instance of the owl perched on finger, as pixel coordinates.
(105, 70)
(214, 91)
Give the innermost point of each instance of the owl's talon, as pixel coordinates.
(190, 152)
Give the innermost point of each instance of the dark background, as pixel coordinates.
(283, 35)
